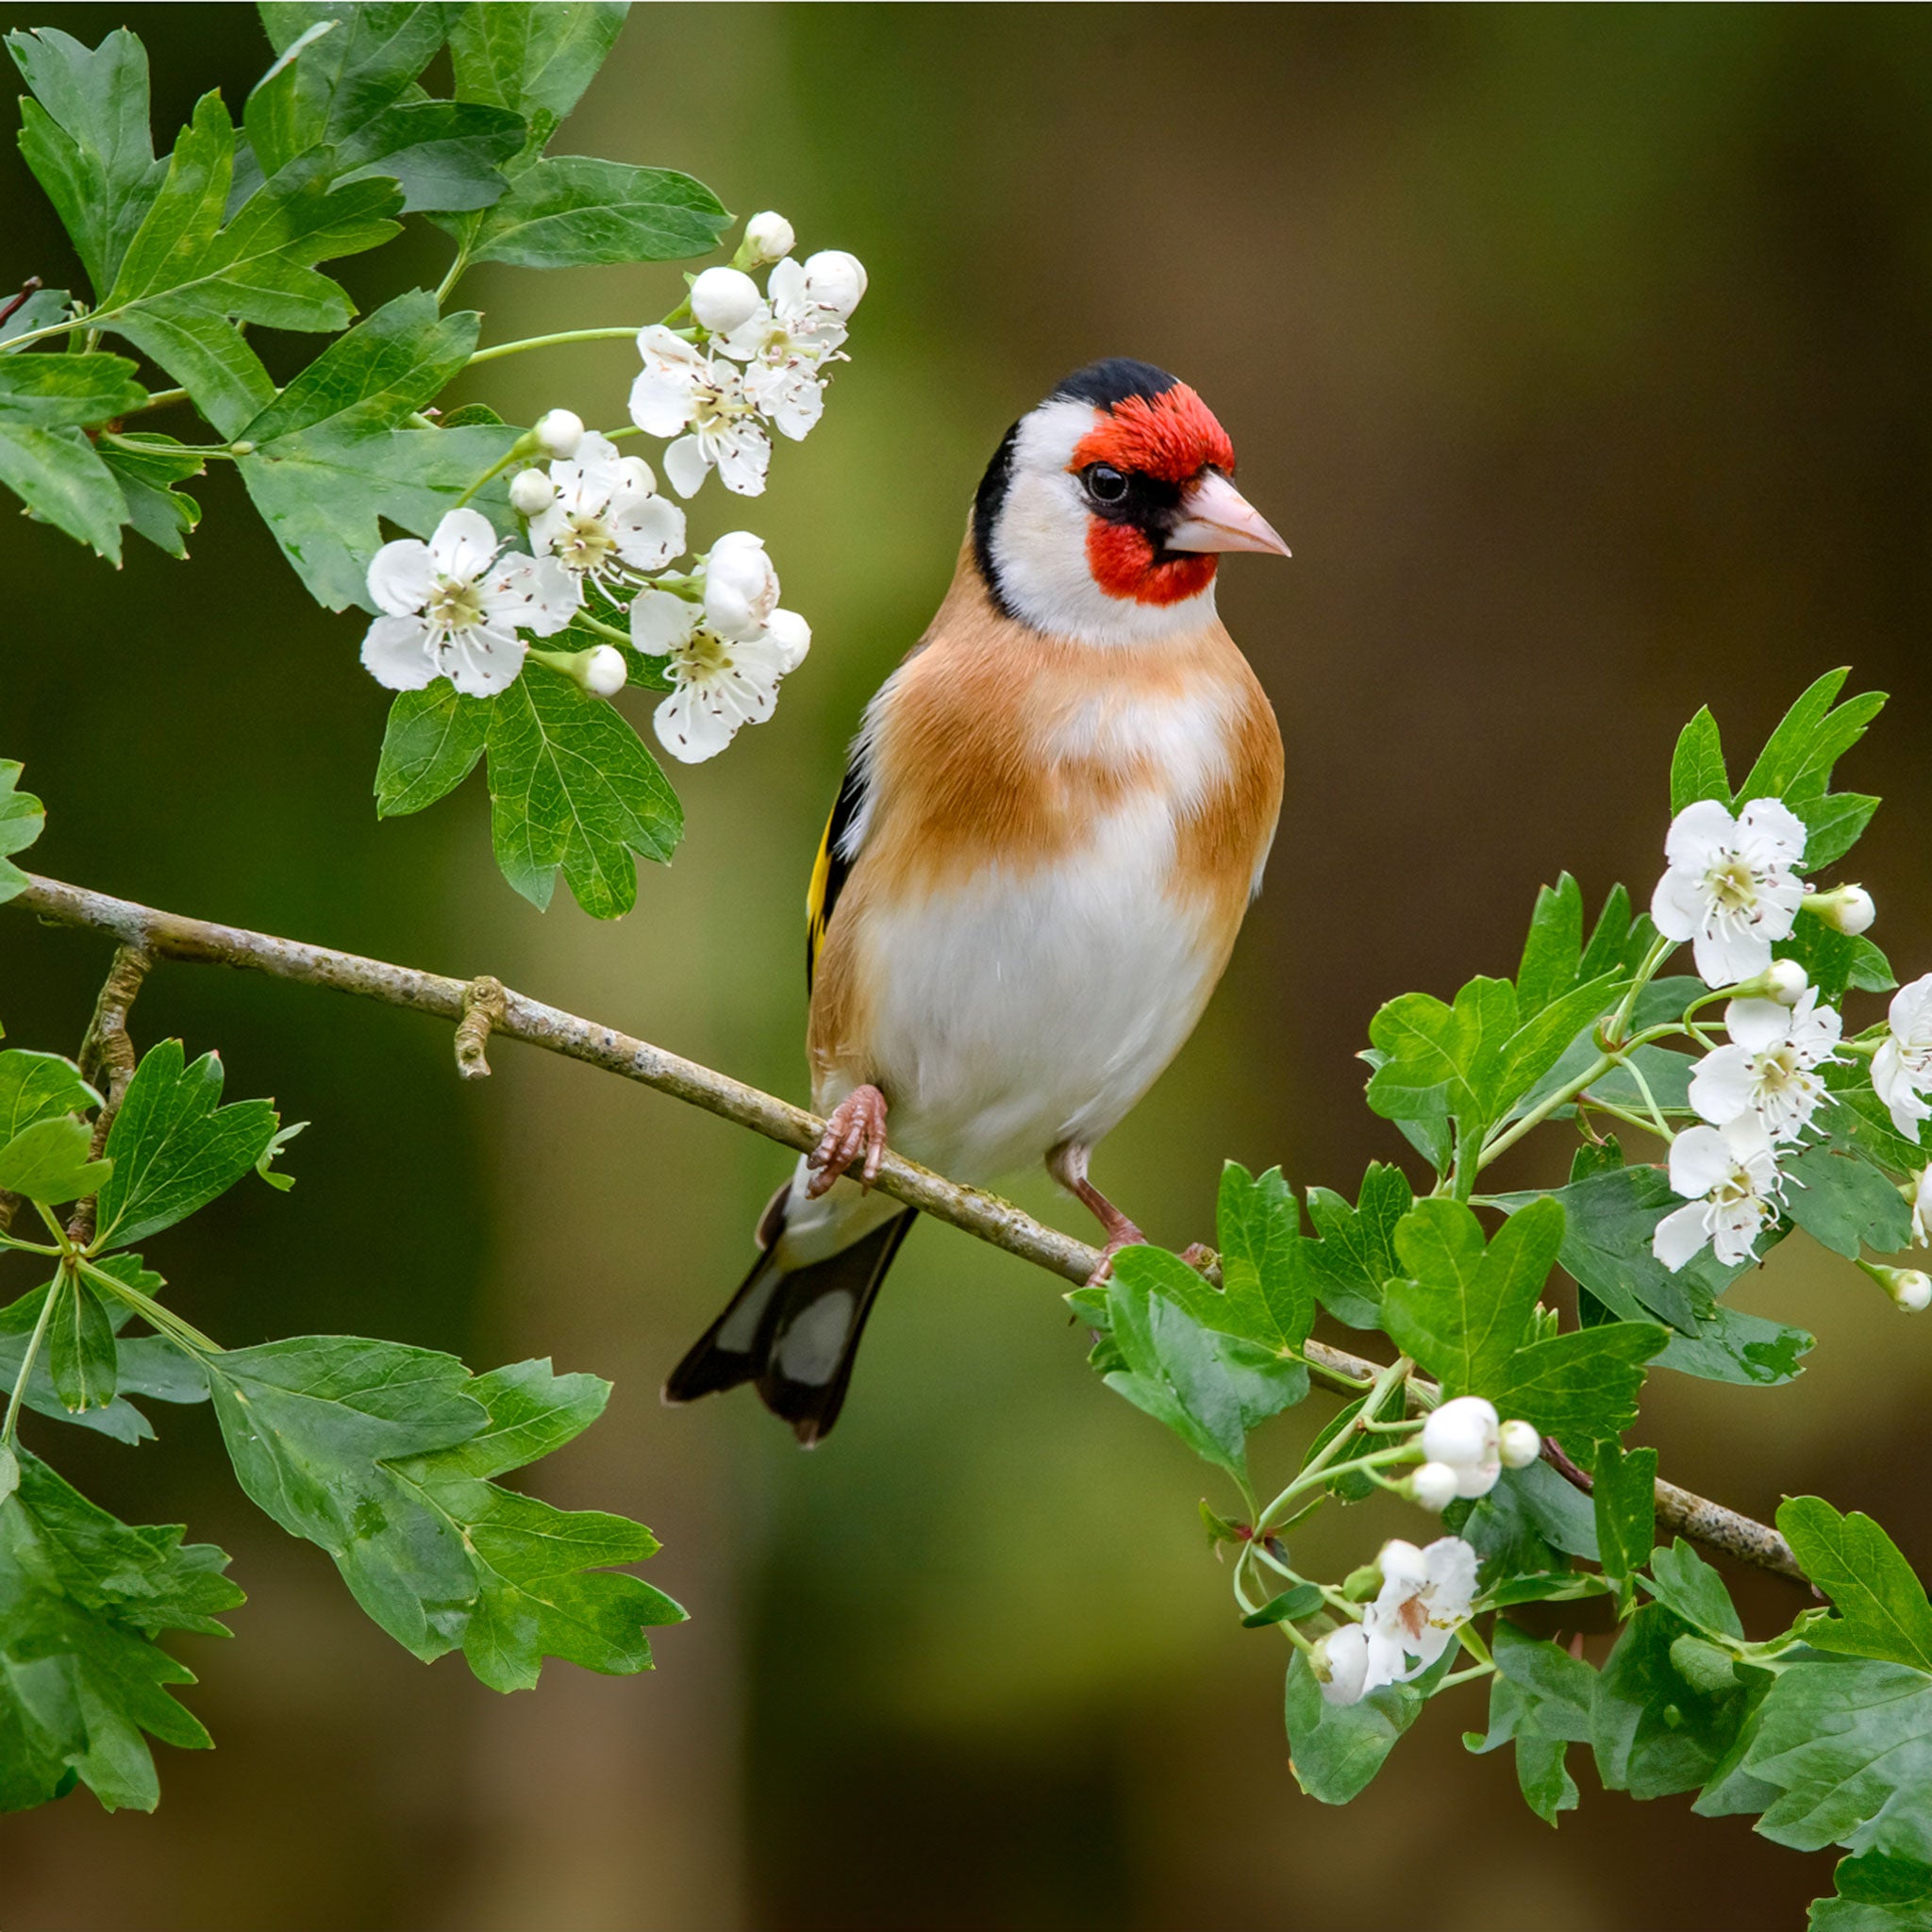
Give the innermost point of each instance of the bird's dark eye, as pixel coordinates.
(1105, 484)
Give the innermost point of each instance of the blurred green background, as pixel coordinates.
(1581, 355)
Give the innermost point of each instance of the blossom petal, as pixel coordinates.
(533, 593)
(1756, 1024)
(1909, 1015)
(662, 623)
(1698, 835)
(690, 730)
(1700, 1159)
(481, 661)
(1678, 905)
(649, 529)
(1724, 1084)
(402, 576)
(463, 544)
(685, 464)
(1776, 833)
(1723, 961)
(744, 456)
(1680, 1236)
(395, 651)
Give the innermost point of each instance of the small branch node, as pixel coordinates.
(484, 1006)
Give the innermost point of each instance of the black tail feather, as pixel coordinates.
(792, 1334)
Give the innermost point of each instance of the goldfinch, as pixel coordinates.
(1056, 812)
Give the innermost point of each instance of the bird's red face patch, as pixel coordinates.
(1171, 438)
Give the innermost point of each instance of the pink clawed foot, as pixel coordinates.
(1067, 1163)
(857, 1126)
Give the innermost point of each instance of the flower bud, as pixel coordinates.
(835, 279)
(1911, 1289)
(637, 475)
(1341, 1664)
(1433, 1485)
(768, 237)
(531, 493)
(558, 432)
(723, 299)
(1850, 909)
(606, 674)
(1518, 1444)
(1783, 980)
(740, 586)
(792, 636)
(1461, 1432)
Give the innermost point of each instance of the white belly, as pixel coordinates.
(1020, 1010)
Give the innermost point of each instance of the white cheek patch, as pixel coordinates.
(808, 1351)
(1040, 546)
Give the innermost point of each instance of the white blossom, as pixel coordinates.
(1426, 1596)
(792, 636)
(1912, 1288)
(682, 388)
(723, 299)
(558, 432)
(1519, 1444)
(768, 237)
(722, 683)
(1768, 1067)
(1730, 888)
(1902, 1067)
(604, 518)
(1464, 1434)
(1730, 1177)
(452, 607)
(806, 307)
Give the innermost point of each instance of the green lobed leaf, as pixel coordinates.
(81, 1595)
(45, 392)
(1303, 1600)
(331, 457)
(82, 1357)
(1553, 949)
(38, 1087)
(1833, 824)
(87, 139)
(174, 1148)
(1525, 1526)
(208, 356)
(23, 818)
(58, 475)
(381, 1455)
(573, 786)
(1583, 1387)
(430, 745)
(1685, 1585)
(1354, 1256)
(571, 210)
(1847, 1743)
(1540, 1699)
(534, 60)
(146, 468)
(1882, 1609)
(1876, 1894)
(1697, 765)
(1836, 962)
(1796, 762)
(49, 1162)
(1266, 1294)
(1465, 1311)
(1654, 1728)
(1844, 1204)
(1624, 1497)
(1337, 1749)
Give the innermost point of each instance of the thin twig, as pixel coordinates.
(107, 1059)
(986, 1216)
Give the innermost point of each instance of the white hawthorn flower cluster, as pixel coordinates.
(1424, 1599)
(1466, 1448)
(602, 539)
(759, 365)
(1731, 889)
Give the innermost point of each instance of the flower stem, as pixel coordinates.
(569, 335)
(456, 269)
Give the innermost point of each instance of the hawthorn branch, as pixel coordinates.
(481, 1006)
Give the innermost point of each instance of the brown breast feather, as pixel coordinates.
(962, 778)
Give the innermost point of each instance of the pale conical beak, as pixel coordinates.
(1216, 516)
